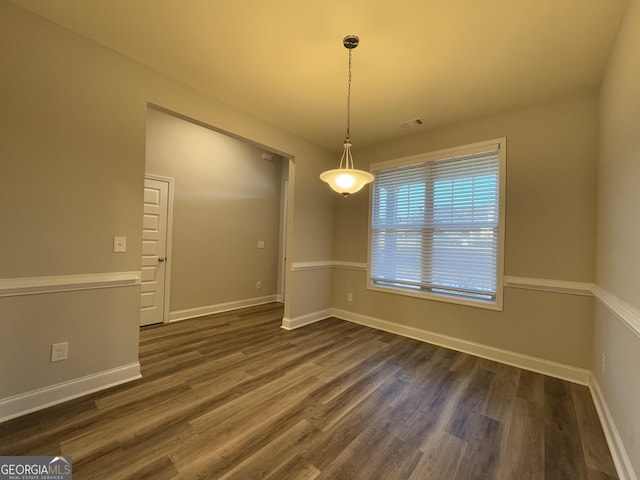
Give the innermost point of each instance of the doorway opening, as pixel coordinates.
(231, 214)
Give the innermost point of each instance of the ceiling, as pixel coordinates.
(283, 60)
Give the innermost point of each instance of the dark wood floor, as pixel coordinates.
(235, 396)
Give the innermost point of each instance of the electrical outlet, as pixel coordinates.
(349, 297)
(258, 285)
(59, 351)
(603, 363)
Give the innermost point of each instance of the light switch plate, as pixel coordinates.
(260, 243)
(119, 244)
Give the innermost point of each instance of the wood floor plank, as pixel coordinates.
(297, 468)
(275, 456)
(524, 453)
(502, 393)
(374, 453)
(41, 434)
(441, 459)
(235, 396)
(339, 436)
(210, 456)
(563, 454)
(423, 410)
(481, 459)
(355, 354)
(531, 387)
(290, 387)
(598, 475)
(472, 397)
(328, 413)
(594, 446)
(341, 381)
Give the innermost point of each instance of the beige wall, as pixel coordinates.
(226, 198)
(550, 232)
(100, 326)
(72, 153)
(618, 262)
(72, 148)
(618, 238)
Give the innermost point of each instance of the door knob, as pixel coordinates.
(161, 259)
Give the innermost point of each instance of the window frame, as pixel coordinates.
(439, 155)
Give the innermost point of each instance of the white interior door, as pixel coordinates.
(154, 251)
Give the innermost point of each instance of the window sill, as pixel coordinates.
(487, 305)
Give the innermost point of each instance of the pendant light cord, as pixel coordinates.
(348, 137)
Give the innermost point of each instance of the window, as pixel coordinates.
(437, 223)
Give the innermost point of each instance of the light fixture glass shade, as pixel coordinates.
(346, 180)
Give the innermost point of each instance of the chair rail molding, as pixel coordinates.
(11, 287)
(627, 314)
(323, 264)
(548, 285)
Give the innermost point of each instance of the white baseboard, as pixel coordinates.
(24, 403)
(219, 308)
(616, 446)
(291, 324)
(527, 362)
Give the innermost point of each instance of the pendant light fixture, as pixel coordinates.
(346, 179)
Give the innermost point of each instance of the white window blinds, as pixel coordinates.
(434, 226)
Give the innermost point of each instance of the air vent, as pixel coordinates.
(414, 122)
